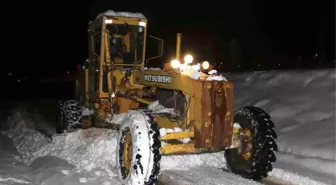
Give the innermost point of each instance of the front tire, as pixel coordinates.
(138, 150)
(262, 140)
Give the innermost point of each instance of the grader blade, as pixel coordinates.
(217, 115)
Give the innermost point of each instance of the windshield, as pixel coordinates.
(126, 43)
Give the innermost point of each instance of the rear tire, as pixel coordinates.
(263, 145)
(61, 120)
(69, 118)
(144, 162)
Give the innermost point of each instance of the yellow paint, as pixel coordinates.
(206, 124)
(164, 122)
(247, 132)
(246, 155)
(168, 149)
(178, 46)
(128, 153)
(235, 130)
(178, 135)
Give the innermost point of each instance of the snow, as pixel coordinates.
(301, 103)
(121, 14)
(151, 68)
(165, 131)
(193, 71)
(213, 71)
(155, 107)
(87, 112)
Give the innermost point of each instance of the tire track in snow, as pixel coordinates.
(202, 175)
(206, 175)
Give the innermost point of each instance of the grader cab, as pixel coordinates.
(198, 114)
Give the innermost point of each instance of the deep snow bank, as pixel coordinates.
(91, 149)
(301, 103)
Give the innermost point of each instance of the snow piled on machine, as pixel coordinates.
(194, 72)
(122, 14)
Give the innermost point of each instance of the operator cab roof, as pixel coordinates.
(111, 13)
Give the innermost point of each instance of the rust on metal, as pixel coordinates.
(217, 115)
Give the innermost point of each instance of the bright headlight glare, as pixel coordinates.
(205, 65)
(141, 23)
(188, 59)
(175, 64)
(108, 21)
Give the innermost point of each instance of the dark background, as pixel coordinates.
(44, 41)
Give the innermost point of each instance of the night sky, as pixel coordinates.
(51, 37)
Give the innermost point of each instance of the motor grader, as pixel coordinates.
(116, 82)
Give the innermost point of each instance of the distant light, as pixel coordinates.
(97, 70)
(19, 81)
(279, 64)
(258, 65)
(68, 72)
(10, 74)
(316, 54)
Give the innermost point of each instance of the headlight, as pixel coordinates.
(205, 65)
(175, 64)
(188, 59)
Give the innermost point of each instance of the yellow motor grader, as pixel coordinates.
(199, 117)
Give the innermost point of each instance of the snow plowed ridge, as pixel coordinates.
(86, 149)
(301, 104)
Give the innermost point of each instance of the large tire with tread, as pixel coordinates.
(144, 165)
(69, 117)
(263, 145)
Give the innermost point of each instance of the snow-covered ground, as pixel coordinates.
(301, 103)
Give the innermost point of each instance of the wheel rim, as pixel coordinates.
(244, 147)
(127, 153)
(246, 144)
